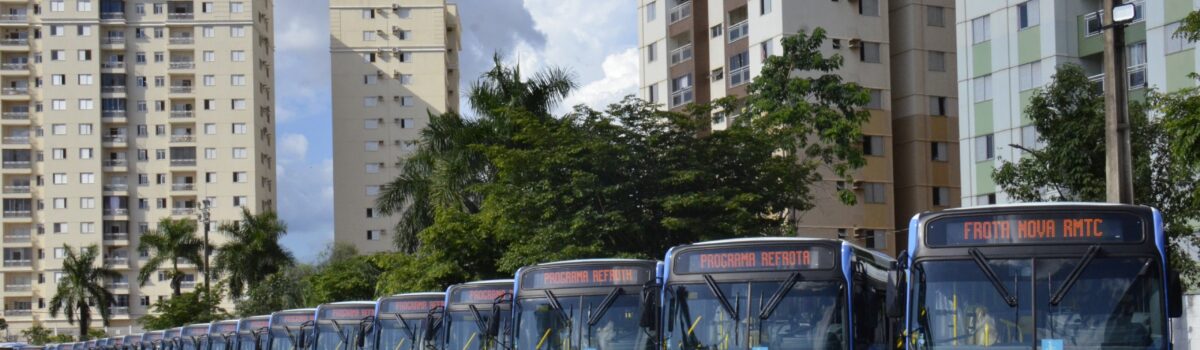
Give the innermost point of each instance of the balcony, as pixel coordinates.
(739, 76)
(16, 189)
(116, 261)
(15, 115)
(16, 140)
(119, 310)
(112, 65)
(681, 11)
(115, 187)
(113, 89)
(1093, 23)
(187, 284)
(112, 15)
(121, 285)
(14, 18)
(182, 114)
(17, 164)
(116, 236)
(115, 163)
(113, 40)
(182, 40)
(681, 54)
(182, 138)
(183, 162)
(18, 288)
(681, 97)
(115, 113)
(17, 312)
(182, 211)
(181, 65)
(18, 238)
(738, 30)
(181, 16)
(14, 66)
(114, 139)
(15, 91)
(17, 263)
(14, 42)
(181, 89)
(183, 187)
(116, 211)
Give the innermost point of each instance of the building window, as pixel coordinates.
(372, 190)
(651, 52)
(681, 90)
(877, 239)
(651, 9)
(408, 123)
(937, 105)
(767, 49)
(939, 151)
(1027, 14)
(869, 52)
(941, 196)
(764, 6)
(935, 16)
(985, 147)
(739, 69)
(873, 192)
(1029, 137)
(716, 30)
(372, 146)
(370, 101)
(372, 168)
(374, 235)
(239, 177)
(371, 124)
(876, 101)
(652, 93)
(873, 145)
(936, 61)
(868, 8)
(981, 30)
(983, 88)
(985, 199)
(1029, 75)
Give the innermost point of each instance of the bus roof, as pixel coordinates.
(759, 239)
(593, 261)
(495, 281)
(417, 294)
(1040, 204)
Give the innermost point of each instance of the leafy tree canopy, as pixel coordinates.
(197, 306)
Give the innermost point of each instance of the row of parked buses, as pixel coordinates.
(1010, 277)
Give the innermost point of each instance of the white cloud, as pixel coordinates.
(620, 79)
(306, 205)
(293, 147)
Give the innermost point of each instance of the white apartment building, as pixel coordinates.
(1008, 49)
(115, 114)
(394, 64)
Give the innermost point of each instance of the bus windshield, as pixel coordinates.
(395, 336)
(810, 315)
(1114, 304)
(245, 341)
(282, 339)
(216, 342)
(337, 335)
(467, 334)
(541, 326)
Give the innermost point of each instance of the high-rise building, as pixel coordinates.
(394, 63)
(117, 114)
(1012, 48)
(696, 51)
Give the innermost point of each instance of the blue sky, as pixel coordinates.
(595, 39)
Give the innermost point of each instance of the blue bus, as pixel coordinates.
(192, 335)
(777, 293)
(1049, 276)
(153, 340)
(171, 339)
(131, 342)
(586, 304)
(477, 315)
(252, 333)
(222, 335)
(90, 344)
(407, 322)
(288, 329)
(341, 325)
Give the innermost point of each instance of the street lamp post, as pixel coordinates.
(1118, 165)
(205, 219)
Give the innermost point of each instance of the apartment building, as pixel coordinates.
(394, 64)
(116, 114)
(1010, 49)
(696, 51)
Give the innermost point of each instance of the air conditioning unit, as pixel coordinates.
(381, 10)
(396, 74)
(397, 50)
(395, 29)
(859, 233)
(380, 98)
(380, 121)
(382, 50)
(396, 98)
(398, 142)
(397, 121)
(379, 73)
(856, 185)
(381, 32)
(395, 7)
(855, 43)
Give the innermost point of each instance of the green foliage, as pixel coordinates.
(83, 282)
(174, 239)
(39, 335)
(516, 186)
(1069, 117)
(281, 290)
(198, 306)
(346, 278)
(97, 333)
(252, 252)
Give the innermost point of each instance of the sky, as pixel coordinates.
(596, 40)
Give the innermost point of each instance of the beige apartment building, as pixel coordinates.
(116, 114)
(696, 51)
(394, 63)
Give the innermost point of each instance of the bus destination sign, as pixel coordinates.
(1034, 228)
(409, 306)
(191, 331)
(783, 257)
(222, 328)
(255, 324)
(356, 312)
(480, 294)
(586, 276)
(293, 319)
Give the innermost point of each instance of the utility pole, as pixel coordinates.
(204, 219)
(1118, 165)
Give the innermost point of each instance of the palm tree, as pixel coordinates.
(82, 282)
(446, 165)
(174, 240)
(253, 251)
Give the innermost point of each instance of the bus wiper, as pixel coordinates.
(554, 304)
(981, 261)
(338, 326)
(778, 296)
(1074, 276)
(712, 286)
(604, 305)
(404, 323)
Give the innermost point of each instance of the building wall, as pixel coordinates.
(156, 151)
(414, 74)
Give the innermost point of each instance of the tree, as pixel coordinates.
(446, 167)
(282, 290)
(1180, 112)
(1068, 115)
(252, 252)
(198, 306)
(37, 334)
(174, 240)
(97, 333)
(82, 282)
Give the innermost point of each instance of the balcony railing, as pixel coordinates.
(182, 114)
(1137, 76)
(116, 211)
(183, 138)
(11, 91)
(183, 162)
(18, 238)
(683, 53)
(181, 89)
(116, 187)
(179, 16)
(18, 312)
(15, 115)
(739, 76)
(116, 162)
(13, 18)
(16, 140)
(116, 236)
(17, 164)
(18, 287)
(187, 284)
(114, 40)
(112, 15)
(183, 65)
(113, 89)
(1094, 23)
(18, 263)
(738, 30)
(113, 65)
(182, 40)
(120, 310)
(115, 138)
(119, 285)
(14, 66)
(116, 261)
(183, 187)
(14, 42)
(115, 113)
(681, 11)
(681, 97)
(16, 189)
(182, 211)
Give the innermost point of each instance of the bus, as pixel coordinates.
(586, 304)
(477, 315)
(131, 342)
(342, 325)
(1049, 276)
(153, 340)
(252, 331)
(221, 335)
(113, 343)
(192, 335)
(288, 329)
(90, 344)
(407, 319)
(171, 339)
(777, 293)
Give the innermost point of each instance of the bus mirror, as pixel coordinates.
(894, 289)
(1175, 295)
(649, 305)
(361, 338)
